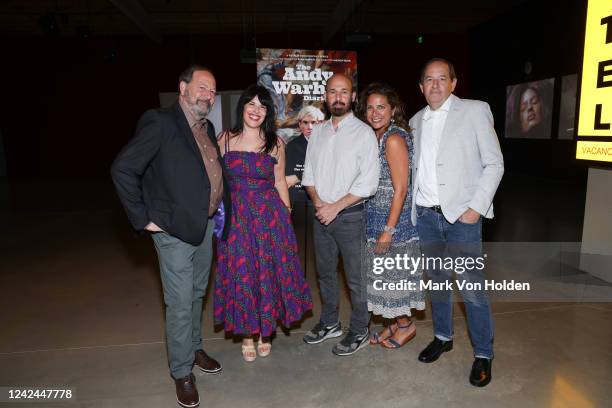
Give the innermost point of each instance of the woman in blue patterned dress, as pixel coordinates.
(388, 229)
(259, 279)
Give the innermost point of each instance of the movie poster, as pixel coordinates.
(297, 78)
(529, 109)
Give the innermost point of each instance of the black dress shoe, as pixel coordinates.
(186, 392)
(206, 363)
(434, 350)
(481, 372)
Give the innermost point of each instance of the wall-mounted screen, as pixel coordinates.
(529, 109)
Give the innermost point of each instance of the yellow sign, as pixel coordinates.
(595, 112)
(598, 151)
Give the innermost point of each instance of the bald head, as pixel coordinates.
(339, 95)
(340, 79)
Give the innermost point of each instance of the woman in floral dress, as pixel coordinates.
(259, 279)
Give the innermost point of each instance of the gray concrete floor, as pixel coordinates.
(82, 308)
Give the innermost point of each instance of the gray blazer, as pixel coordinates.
(470, 164)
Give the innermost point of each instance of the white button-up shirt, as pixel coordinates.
(342, 161)
(427, 180)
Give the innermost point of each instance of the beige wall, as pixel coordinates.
(596, 252)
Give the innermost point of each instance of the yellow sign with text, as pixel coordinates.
(595, 112)
(597, 151)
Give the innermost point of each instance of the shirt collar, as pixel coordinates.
(346, 119)
(444, 108)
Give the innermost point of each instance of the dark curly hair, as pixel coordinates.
(386, 90)
(268, 125)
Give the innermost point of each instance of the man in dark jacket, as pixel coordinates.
(170, 179)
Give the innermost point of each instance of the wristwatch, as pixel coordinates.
(390, 230)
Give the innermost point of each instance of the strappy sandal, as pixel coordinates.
(248, 352)
(263, 349)
(377, 338)
(391, 343)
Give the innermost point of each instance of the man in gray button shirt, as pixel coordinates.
(340, 171)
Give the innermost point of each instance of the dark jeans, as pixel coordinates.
(439, 238)
(184, 271)
(344, 236)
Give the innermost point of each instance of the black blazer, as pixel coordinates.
(160, 176)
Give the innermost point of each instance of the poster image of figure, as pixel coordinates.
(297, 78)
(567, 110)
(529, 109)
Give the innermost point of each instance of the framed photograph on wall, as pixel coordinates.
(529, 109)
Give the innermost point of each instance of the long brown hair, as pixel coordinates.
(386, 90)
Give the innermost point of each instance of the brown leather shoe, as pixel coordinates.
(206, 363)
(186, 392)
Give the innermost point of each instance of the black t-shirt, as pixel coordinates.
(295, 155)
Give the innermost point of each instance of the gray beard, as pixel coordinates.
(195, 108)
(199, 112)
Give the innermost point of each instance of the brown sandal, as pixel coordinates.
(377, 338)
(391, 343)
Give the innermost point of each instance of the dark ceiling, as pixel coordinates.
(157, 18)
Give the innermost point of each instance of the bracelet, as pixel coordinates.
(390, 230)
(290, 209)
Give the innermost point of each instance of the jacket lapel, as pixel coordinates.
(417, 136)
(186, 132)
(454, 114)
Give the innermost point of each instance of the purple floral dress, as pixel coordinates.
(259, 278)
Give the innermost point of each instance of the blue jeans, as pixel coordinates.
(439, 238)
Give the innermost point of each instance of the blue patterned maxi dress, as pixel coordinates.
(392, 303)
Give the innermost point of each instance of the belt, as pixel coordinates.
(435, 208)
(355, 208)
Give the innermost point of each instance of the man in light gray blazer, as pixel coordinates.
(458, 166)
